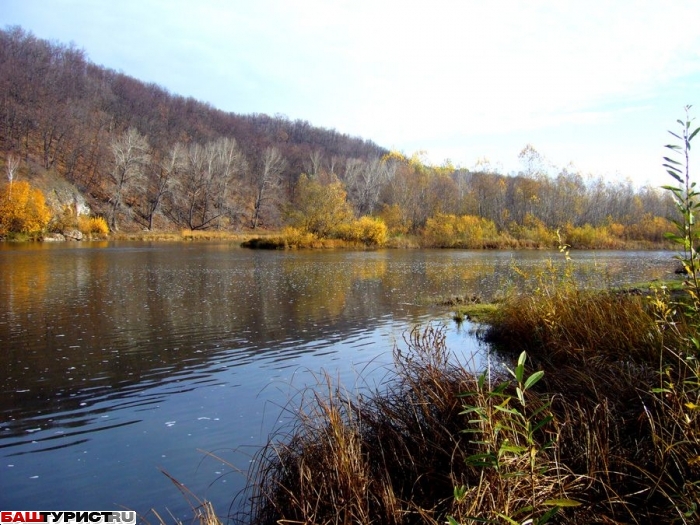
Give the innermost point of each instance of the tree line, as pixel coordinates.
(143, 158)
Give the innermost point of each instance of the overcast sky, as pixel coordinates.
(596, 83)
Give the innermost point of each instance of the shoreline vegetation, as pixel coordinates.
(293, 239)
(588, 407)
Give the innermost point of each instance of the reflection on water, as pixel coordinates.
(118, 358)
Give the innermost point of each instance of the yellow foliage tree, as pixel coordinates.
(395, 218)
(451, 231)
(533, 231)
(650, 228)
(22, 209)
(319, 208)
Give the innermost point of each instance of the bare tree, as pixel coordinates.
(204, 184)
(365, 180)
(161, 178)
(11, 165)
(266, 179)
(316, 159)
(231, 164)
(131, 156)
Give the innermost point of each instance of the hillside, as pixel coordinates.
(144, 158)
(63, 115)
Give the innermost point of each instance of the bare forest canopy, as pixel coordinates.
(144, 158)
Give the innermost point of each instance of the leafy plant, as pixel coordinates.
(676, 422)
(686, 197)
(508, 430)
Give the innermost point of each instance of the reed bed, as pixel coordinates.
(625, 372)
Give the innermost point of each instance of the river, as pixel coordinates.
(122, 360)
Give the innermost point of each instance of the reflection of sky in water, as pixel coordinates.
(121, 360)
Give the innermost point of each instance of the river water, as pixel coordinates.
(119, 361)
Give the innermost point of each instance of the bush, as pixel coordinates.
(466, 231)
(533, 231)
(591, 237)
(395, 219)
(23, 210)
(366, 230)
(650, 228)
(93, 225)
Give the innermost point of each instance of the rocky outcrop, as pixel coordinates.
(54, 237)
(73, 235)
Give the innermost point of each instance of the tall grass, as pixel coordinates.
(386, 457)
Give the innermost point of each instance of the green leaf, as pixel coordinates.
(469, 410)
(675, 176)
(671, 161)
(500, 388)
(514, 449)
(562, 503)
(547, 515)
(693, 134)
(467, 394)
(513, 411)
(534, 378)
(540, 409)
(672, 188)
(520, 369)
(460, 493)
(509, 520)
(541, 424)
(482, 380)
(672, 168)
(452, 521)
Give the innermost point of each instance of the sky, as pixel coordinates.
(592, 85)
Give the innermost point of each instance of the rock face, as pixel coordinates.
(54, 237)
(73, 235)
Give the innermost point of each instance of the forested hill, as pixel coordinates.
(64, 114)
(143, 158)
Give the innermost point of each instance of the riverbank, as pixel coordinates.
(597, 422)
(290, 239)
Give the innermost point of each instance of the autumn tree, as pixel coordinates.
(131, 156)
(22, 209)
(319, 206)
(450, 231)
